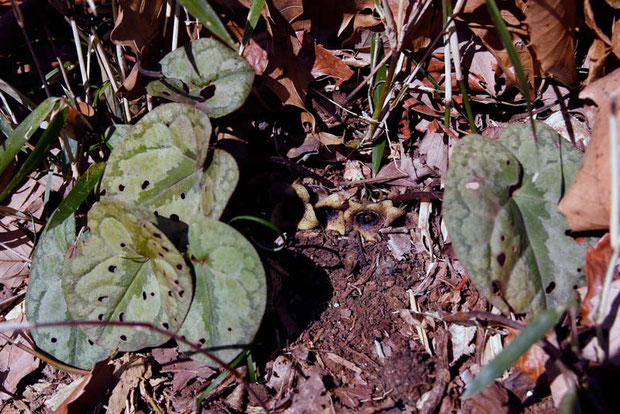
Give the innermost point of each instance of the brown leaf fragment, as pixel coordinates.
(129, 373)
(312, 397)
(477, 17)
(493, 399)
(327, 64)
(137, 23)
(587, 203)
(92, 390)
(531, 363)
(551, 26)
(594, 351)
(15, 363)
(597, 260)
(183, 371)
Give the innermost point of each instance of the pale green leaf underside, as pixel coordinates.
(503, 219)
(126, 271)
(45, 301)
(206, 74)
(229, 299)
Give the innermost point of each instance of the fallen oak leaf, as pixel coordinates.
(551, 25)
(587, 203)
(327, 64)
(137, 23)
(183, 371)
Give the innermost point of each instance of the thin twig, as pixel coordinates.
(20, 22)
(29, 326)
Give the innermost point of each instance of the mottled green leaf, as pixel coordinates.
(206, 74)
(126, 271)
(230, 294)
(528, 336)
(160, 165)
(160, 162)
(115, 134)
(500, 208)
(45, 301)
(25, 130)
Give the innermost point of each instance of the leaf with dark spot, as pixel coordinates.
(230, 295)
(500, 208)
(106, 282)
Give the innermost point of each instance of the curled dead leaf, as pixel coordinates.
(587, 203)
(597, 260)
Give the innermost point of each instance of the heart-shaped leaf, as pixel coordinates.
(45, 301)
(127, 271)
(229, 299)
(159, 163)
(500, 208)
(206, 74)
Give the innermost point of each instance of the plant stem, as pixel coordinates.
(379, 105)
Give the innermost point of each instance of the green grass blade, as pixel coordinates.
(6, 128)
(253, 16)
(49, 136)
(377, 89)
(467, 105)
(87, 182)
(17, 95)
(25, 131)
(207, 16)
(218, 380)
(267, 224)
(506, 39)
(528, 336)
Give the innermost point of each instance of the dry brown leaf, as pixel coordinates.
(312, 397)
(326, 64)
(183, 370)
(137, 23)
(598, 55)
(15, 364)
(477, 17)
(587, 203)
(593, 351)
(16, 232)
(128, 375)
(531, 363)
(597, 259)
(91, 391)
(551, 25)
(590, 17)
(492, 399)
(288, 71)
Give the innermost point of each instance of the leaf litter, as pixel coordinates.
(341, 331)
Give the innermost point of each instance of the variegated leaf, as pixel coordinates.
(45, 301)
(500, 208)
(127, 271)
(230, 295)
(206, 74)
